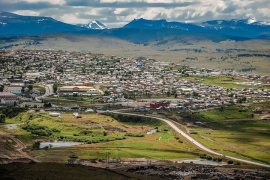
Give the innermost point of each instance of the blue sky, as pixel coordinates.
(116, 13)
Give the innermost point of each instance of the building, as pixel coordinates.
(55, 114)
(78, 90)
(32, 76)
(160, 104)
(9, 98)
(14, 90)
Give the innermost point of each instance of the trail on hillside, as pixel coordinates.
(19, 148)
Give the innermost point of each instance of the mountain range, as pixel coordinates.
(248, 28)
(138, 30)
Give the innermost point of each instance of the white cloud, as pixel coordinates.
(57, 2)
(119, 12)
(27, 13)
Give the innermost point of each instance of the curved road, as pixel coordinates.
(48, 92)
(193, 141)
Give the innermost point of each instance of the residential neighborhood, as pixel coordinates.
(118, 79)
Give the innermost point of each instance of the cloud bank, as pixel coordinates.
(116, 13)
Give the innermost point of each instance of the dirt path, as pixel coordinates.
(19, 147)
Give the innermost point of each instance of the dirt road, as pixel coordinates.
(19, 148)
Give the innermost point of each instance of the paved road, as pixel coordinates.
(48, 92)
(193, 141)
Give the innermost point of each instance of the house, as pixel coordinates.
(32, 76)
(14, 90)
(160, 104)
(79, 90)
(76, 115)
(9, 98)
(55, 114)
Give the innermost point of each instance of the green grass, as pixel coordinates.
(223, 81)
(90, 129)
(232, 112)
(151, 147)
(233, 133)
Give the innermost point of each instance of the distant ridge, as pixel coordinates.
(248, 28)
(13, 24)
(138, 30)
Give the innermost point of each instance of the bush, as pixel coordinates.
(134, 134)
(203, 156)
(2, 118)
(36, 145)
(230, 162)
(135, 119)
(219, 159)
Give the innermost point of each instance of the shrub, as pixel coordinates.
(219, 159)
(230, 162)
(36, 145)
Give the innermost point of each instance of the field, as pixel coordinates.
(224, 81)
(232, 131)
(101, 135)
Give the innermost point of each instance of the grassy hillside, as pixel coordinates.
(233, 130)
(101, 134)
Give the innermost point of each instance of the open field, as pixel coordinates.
(100, 135)
(224, 81)
(232, 131)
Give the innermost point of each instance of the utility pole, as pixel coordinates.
(107, 159)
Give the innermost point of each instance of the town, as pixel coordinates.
(59, 99)
(111, 79)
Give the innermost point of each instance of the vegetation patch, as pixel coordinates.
(232, 129)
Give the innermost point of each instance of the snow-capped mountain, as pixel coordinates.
(93, 25)
(138, 30)
(248, 28)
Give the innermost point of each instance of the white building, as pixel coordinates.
(9, 98)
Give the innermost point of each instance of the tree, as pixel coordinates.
(2, 118)
(30, 87)
(1, 88)
(168, 93)
(47, 104)
(22, 90)
(36, 145)
(195, 94)
(55, 87)
(221, 108)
